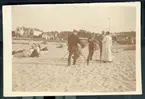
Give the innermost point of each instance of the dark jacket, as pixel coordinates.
(73, 41)
(91, 43)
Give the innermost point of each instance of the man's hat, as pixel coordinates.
(75, 30)
(103, 33)
(107, 32)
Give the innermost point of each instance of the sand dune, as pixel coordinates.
(50, 73)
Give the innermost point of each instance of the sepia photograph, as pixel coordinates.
(72, 49)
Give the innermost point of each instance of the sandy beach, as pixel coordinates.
(50, 73)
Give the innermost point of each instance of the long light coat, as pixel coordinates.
(106, 48)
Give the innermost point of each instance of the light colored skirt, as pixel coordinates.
(25, 53)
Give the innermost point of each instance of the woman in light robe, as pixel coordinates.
(106, 48)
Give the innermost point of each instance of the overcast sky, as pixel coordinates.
(60, 18)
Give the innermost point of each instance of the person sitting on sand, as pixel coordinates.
(38, 47)
(22, 53)
(34, 51)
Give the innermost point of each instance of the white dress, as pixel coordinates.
(106, 48)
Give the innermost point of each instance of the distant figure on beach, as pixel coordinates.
(132, 40)
(91, 48)
(106, 48)
(60, 46)
(114, 39)
(73, 41)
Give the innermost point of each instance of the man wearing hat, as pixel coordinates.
(100, 42)
(73, 41)
(91, 48)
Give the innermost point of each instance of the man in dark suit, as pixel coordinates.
(91, 48)
(100, 43)
(73, 41)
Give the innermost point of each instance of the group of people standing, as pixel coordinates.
(104, 42)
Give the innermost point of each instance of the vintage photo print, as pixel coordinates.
(72, 49)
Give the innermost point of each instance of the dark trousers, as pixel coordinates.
(100, 50)
(75, 54)
(90, 55)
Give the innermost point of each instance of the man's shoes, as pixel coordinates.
(74, 63)
(87, 63)
(69, 64)
(104, 61)
(73, 57)
(110, 61)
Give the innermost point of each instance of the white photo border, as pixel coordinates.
(7, 54)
